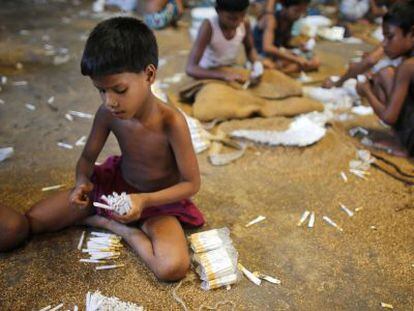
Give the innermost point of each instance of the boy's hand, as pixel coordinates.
(234, 77)
(79, 195)
(137, 206)
(328, 83)
(363, 88)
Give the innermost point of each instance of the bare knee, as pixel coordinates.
(172, 270)
(13, 231)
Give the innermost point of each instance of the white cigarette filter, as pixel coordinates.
(303, 218)
(209, 240)
(332, 223)
(98, 302)
(254, 279)
(256, 220)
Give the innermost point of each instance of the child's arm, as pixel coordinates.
(180, 140)
(358, 68)
(390, 111)
(251, 53)
(270, 48)
(84, 168)
(194, 70)
(180, 6)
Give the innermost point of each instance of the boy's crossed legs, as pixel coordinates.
(161, 243)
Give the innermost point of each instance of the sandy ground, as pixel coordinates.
(320, 268)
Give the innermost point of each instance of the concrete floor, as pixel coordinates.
(320, 269)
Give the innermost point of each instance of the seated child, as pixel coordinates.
(272, 36)
(371, 63)
(162, 13)
(158, 166)
(218, 42)
(391, 91)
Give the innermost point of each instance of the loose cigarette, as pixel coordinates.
(30, 107)
(303, 218)
(81, 141)
(81, 114)
(52, 187)
(346, 210)
(359, 209)
(20, 83)
(51, 100)
(81, 240)
(357, 173)
(311, 220)
(2, 102)
(109, 267)
(344, 177)
(255, 221)
(64, 145)
(46, 308)
(249, 275)
(101, 205)
(57, 307)
(267, 278)
(92, 261)
(332, 223)
(387, 305)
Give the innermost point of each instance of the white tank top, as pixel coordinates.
(220, 51)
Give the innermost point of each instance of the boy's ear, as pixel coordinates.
(151, 73)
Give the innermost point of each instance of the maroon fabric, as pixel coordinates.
(107, 178)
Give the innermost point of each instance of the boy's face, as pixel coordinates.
(396, 43)
(231, 20)
(124, 94)
(294, 12)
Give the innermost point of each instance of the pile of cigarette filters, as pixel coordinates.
(215, 258)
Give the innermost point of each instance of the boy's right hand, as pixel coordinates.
(79, 195)
(233, 77)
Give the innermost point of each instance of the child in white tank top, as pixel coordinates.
(219, 40)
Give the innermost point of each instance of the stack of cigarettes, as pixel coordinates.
(98, 302)
(215, 258)
(361, 165)
(103, 248)
(119, 203)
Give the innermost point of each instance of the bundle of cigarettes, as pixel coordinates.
(98, 302)
(102, 249)
(119, 203)
(361, 165)
(215, 258)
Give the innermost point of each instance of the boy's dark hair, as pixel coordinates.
(232, 5)
(401, 15)
(288, 3)
(120, 44)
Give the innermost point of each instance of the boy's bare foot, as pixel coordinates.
(97, 222)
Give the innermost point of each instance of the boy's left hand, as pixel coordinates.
(137, 206)
(363, 88)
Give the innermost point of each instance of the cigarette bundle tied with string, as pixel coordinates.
(215, 258)
(119, 203)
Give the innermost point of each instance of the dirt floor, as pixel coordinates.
(320, 268)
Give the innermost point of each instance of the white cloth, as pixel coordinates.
(354, 9)
(220, 51)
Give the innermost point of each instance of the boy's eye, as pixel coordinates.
(120, 91)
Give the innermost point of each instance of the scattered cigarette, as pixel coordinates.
(311, 220)
(81, 141)
(92, 260)
(343, 175)
(358, 173)
(30, 107)
(19, 83)
(2, 102)
(303, 218)
(346, 210)
(57, 307)
(373, 227)
(64, 145)
(358, 209)
(52, 187)
(332, 223)
(81, 240)
(46, 308)
(255, 221)
(68, 117)
(387, 305)
(3, 80)
(80, 114)
(267, 278)
(249, 275)
(109, 267)
(51, 100)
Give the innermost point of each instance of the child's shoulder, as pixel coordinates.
(171, 116)
(407, 66)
